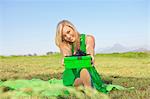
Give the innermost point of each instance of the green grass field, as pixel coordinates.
(126, 69)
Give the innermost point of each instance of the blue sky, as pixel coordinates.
(28, 26)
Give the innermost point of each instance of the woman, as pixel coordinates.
(68, 39)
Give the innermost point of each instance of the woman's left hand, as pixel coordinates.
(93, 60)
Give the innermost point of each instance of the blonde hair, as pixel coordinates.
(59, 39)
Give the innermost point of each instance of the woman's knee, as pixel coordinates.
(77, 82)
(85, 77)
(84, 72)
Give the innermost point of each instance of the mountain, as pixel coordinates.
(140, 50)
(118, 48)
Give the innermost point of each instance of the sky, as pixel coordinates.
(29, 26)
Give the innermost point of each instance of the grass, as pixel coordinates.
(126, 69)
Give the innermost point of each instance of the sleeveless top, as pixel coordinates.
(82, 44)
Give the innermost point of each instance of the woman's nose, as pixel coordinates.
(68, 36)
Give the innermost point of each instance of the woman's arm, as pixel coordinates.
(66, 51)
(90, 46)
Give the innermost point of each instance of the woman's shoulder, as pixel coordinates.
(90, 38)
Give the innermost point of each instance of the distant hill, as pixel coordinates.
(140, 50)
(118, 48)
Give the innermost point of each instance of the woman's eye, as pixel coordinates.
(68, 32)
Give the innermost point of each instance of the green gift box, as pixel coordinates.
(71, 62)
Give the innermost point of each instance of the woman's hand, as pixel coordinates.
(93, 60)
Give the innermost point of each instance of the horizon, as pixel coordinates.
(28, 26)
(98, 51)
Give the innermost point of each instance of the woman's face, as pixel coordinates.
(68, 34)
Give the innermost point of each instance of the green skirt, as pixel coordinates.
(69, 76)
